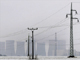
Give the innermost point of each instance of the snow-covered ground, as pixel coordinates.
(39, 58)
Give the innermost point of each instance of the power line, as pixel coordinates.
(49, 27)
(20, 32)
(23, 31)
(54, 33)
(53, 26)
(58, 26)
(51, 15)
(15, 33)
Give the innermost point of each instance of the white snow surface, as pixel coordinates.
(39, 58)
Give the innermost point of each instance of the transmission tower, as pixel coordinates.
(71, 31)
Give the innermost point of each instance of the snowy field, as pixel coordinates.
(39, 58)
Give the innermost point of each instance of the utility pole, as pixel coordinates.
(55, 44)
(71, 32)
(32, 29)
(28, 44)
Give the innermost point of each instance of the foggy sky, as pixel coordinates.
(17, 15)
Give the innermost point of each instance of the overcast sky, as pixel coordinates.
(17, 15)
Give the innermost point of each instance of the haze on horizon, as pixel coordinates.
(17, 15)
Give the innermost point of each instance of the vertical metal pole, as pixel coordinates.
(71, 31)
(55, 44)
(32, 29)
(28, 45)
(71, 34)
(32, 45)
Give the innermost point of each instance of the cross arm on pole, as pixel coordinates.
(75, 11)
(67, 15)
(77, 19)
(32, 28)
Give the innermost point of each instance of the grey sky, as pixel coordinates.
(17, 15)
